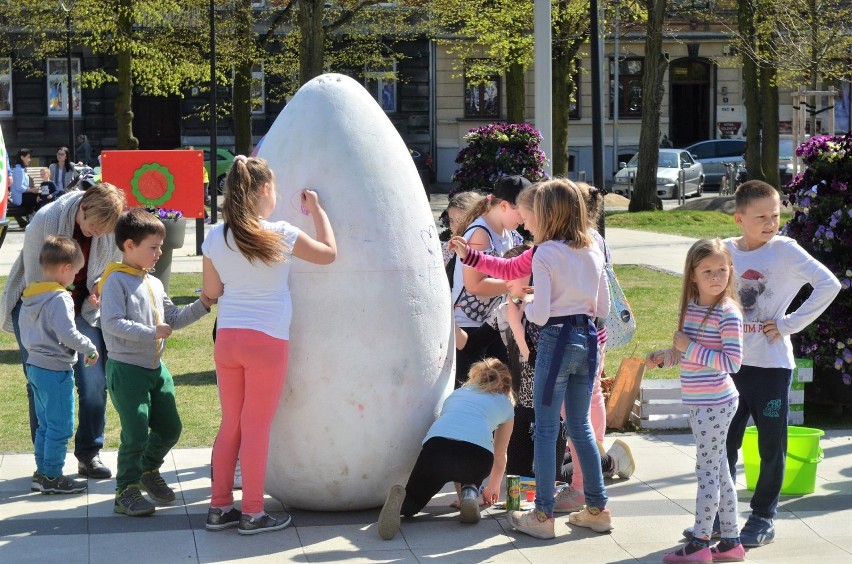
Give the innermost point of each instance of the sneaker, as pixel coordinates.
(130, 502)
(37, 484)
(469, 508)
(218, 520)
(735, 554)
(238, 477)
(599, 523)
(264, 524)
(701, 556)
(156, 487)
(623, 464)
(757, 532)
(569, 500)
(94, 468)
(535, 523)
(716, 533)
(389, 517)
(61, 485)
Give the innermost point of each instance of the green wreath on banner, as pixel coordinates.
(158, 169)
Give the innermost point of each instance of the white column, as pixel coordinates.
(544, 80)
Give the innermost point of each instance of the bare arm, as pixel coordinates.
(211, 282)
(495, 479)
(323, 249)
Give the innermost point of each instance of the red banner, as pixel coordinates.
(171, 180)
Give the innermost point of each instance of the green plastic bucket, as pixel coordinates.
(803, 455)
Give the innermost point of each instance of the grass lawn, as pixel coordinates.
(689, 223)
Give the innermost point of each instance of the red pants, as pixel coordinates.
(251, 368)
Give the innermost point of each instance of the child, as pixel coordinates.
(137, 316)
(458, 206)
(466, 444)
(490, 228)
(570, 291)
(48, 191)
(50, 336)
(770, 270)
(708, 347)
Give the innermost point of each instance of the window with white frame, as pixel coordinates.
(57, 87)
(380, 81)
(5, 87)
(258, 89)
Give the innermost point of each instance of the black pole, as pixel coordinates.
(70, 88)
(597, 110)
(213, 186)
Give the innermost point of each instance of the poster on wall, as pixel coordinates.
(57, 87)
(729, 122)
(169, 180)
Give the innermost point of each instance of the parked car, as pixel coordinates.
(224, 160)
(785, 163)
(713, 155)
(669, 165)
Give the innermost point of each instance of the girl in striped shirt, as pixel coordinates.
(708, 347)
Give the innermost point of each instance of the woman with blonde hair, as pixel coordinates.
(466, 444)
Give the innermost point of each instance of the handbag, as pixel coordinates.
(620, 323)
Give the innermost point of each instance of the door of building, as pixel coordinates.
(690, 102)
(156, 121)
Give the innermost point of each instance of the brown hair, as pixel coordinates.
(135, 225)
(517, 251)
(492, 376)
(560, 210)
(699, 251)
(243, 184)
(102, 205)
(480, 208)
(752, 190)
(57, 251)
(594, 199)
(463, 201)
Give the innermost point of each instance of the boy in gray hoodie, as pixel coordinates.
(49, 334)
(136, 318)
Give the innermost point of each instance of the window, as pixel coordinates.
(574, 104)
(57, 87)
(5, 87)
(258, 89)
(380, 81)
(629, 90)
(482, 97)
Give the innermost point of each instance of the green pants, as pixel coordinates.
(144, 399)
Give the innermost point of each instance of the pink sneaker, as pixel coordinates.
(736, 554)
(569, 500)
(703, 556)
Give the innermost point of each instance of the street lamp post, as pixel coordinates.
(70, 78)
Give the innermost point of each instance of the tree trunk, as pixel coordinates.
(242, 102)
(769, 147)
(515, 93)
(751, 94)
(312, 42)
(645, 192)
(124, 90)
(563, 86)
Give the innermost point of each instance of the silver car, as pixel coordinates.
(714, 154)
(669, 166)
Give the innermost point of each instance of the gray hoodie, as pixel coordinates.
(48, 331)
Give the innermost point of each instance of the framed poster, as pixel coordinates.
(57, 87)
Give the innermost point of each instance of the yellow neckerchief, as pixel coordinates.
(36, 288)
(127, 269)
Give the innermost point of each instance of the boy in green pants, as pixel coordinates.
(136, 317)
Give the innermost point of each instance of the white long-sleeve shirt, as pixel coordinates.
(768, 279)
(568, 281)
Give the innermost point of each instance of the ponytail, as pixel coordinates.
(481, 207)
(243, 184)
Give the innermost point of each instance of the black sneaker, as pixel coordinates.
(130, 502)
(263, 524)
(469, 507)
(218, 520)
(156, 487)
(94, 468)
(37, 483)
(757, 532)
(61, 485)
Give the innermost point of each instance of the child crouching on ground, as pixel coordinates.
(49, 334)
(137, 316)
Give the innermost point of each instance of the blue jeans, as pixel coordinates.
(91, 389)
(572, 384)
(53, 393)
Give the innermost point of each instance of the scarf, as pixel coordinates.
(118, 267)
(37, 288)
(57, 218)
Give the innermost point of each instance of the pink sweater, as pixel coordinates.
(498, 267)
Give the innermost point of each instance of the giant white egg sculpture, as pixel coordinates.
(371, 341)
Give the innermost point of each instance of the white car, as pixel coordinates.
(669, 165)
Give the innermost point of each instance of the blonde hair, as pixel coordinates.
(243, 184)
(699, 251)
(102, 205)
(57, 251)
(492, 376)
(526, 197)
(464, 201)
(560, 210)
(594, 198)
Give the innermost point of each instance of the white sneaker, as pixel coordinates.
(469, 507)
(569, 500)
(535, 523)
(599, 523)
(238, 477)
(623, 464)
(389, 517)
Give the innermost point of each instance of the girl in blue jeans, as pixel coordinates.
(570, 291)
